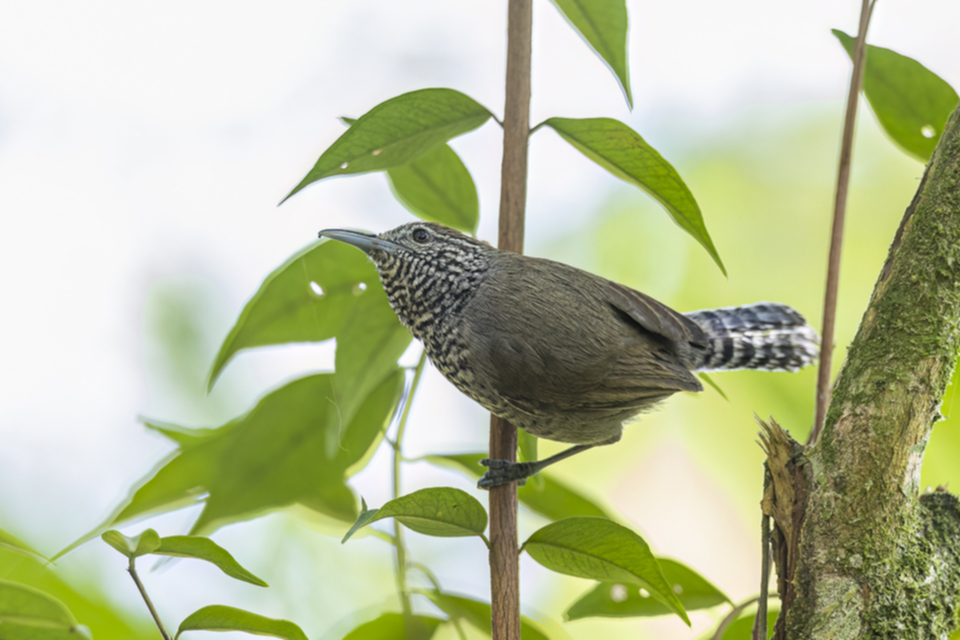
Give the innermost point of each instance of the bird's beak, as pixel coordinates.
(366, 242)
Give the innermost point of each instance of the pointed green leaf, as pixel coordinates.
(309, 298)
(477, 613)
(602, 550)
(554, 499)
(710, 381)
(617, 600)
(12, 543)
(272, 457)
(603, 24)
(398, 131)
(141, 545)
(911, 102)
(29, 614)
(222, 618)
(438, 511)
(392, 626)
(621, 151)
(365, 517)
(438, 187)
(204, 548)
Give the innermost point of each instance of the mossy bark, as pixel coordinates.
(871, 557)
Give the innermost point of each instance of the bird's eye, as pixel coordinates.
(421, 235)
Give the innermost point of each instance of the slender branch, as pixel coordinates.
(403, 589)
(839, 214)
(143, 593)
(731, 617)
(760, 622)
(504, 563)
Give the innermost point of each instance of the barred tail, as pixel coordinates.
(765, 335)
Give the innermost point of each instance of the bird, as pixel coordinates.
(562, 353)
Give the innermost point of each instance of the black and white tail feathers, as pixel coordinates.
(764, 335)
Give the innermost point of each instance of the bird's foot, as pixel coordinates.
(504, 472)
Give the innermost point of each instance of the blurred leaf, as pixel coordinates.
(206, 549)
(438, 511)
(309, 298)
(438, 187)
(713, 384)
(368, 347)
(528, 445)
(621, 151)
(221, 618)
(603, 24)
(83, 597)
(12, 543)
(272, 457)
(398, 131)
(391, 626)
(554, 500)
(477, 613)
(602, 550)
(742, 628)
(614, 600)
(134, 547)
(911, 102)
(29, 614)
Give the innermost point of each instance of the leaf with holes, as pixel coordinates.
(621, 151)
(393, 626)
(221, 618)
(603, 24)
(29, 614)
(617, 600)
(438, 511)
(554, 499)
(397, 131)
(309, 298)
(270, 458)
(911, 102)
(605, 551)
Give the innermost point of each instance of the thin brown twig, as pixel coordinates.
(132, 569)
(504, 560)
(836, 236)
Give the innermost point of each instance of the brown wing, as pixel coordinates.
(654, 316)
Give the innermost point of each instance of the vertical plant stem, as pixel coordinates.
(403, 589)
(504, 560)
(132, 569)
(839, 214)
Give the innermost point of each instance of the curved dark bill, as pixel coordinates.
(366, 242)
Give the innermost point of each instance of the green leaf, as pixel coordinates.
(397, 131)
(204, 548)
(392, 626)
(309, 298)
(12, 543)
(553, 500)
(477, 613)
(742, 628)
(603, 24)
(366, 516)
(602, 550)
(621, 151)
(218, 617)
(615, 600)
(272, 457)
(438, 511)
(713, 384)
(141, 545)
(911, 102)
(438, 187)
(29, 614)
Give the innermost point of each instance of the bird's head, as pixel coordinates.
(426, 268)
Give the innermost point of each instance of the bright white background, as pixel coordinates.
(144, 146)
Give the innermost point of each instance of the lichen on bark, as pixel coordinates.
(873, 559)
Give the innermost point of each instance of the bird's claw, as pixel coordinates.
(502, 472)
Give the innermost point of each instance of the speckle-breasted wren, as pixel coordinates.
(557, 351)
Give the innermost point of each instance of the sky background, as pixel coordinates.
(144, 148)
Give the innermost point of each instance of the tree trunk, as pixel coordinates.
(860, 553)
